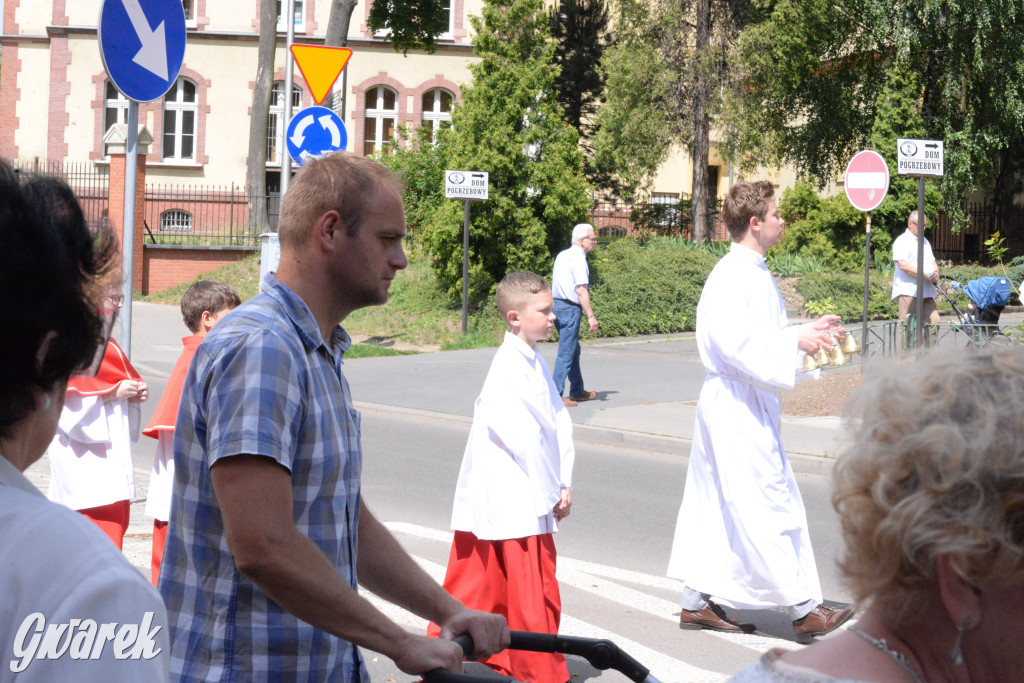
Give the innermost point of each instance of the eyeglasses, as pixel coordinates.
(108, 316)
(115, 299)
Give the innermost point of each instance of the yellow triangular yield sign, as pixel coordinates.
(320, 67)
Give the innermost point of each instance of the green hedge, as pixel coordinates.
(843, 294)
(647, 288)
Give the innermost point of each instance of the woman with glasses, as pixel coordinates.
(60, 575)
(91, 467)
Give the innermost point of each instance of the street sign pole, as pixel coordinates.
(867, 275)
(866, 183)
(131, 162)
(465, 266)
(289, 60)
(921, 223)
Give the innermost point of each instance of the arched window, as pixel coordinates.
(437, 110)
(611, 231)
(115, 110)
(180, 116)
(175, 220)
(276, 123)
(379, 119)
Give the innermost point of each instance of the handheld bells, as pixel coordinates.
(838, 355)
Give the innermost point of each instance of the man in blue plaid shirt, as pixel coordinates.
(268, 532)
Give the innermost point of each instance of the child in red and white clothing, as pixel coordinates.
(515, 486)
(203, 304)
(90, 456)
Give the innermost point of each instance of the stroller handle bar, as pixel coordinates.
(601, 654)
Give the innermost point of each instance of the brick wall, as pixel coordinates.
(165, 267)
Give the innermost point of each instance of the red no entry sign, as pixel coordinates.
(867, 180)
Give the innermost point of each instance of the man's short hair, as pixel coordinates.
(206, 295)
(341, 182)
(580, 231)
(912, 218)
(744, 201)
(515, 288)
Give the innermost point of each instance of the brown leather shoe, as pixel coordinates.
(569, 403)
(713, 618)
(585, 396)
(821, 620)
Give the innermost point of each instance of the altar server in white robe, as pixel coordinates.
(515, 486)
(741, 537)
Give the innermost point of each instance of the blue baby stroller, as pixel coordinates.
(986, 298)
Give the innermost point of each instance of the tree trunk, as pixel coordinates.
(338, 22)
(337, 36)
(256, 167)
(701, 125)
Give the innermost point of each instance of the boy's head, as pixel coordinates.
(525, 304)
(746, 201)
(205, 302)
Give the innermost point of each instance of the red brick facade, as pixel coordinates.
(10, 67)
(117, 219)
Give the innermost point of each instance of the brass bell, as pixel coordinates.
(838, 356)
(809, 363)
(822, 358)
(850, 344)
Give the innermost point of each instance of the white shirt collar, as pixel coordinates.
(520, 346)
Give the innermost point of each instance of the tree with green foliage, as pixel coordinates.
(829, 229)
(817, 76)
(511, 125)
(420, 158)
(664, 78)
(580, 31)
(410, 24)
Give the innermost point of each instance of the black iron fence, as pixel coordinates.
(89, 182)
(617, 218)
(208, 216)
(983, 220)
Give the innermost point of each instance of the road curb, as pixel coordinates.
(802, 463)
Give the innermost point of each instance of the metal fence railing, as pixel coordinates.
(204, 216)
(89, 182)
(616, 218)
(968, 244)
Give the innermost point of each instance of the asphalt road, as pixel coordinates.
(613, 549)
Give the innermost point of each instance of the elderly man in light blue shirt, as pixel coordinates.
(570, 287)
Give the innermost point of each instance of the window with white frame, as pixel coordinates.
(437, 111)
(379, 119)
(115, 110)
(175, 220)
(190, 12)
(180, 114)
(299, 15)
(665, 208)
(446, 7)
(276, 123)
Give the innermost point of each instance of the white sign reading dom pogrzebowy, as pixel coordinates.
(919, 157)
(466, 184)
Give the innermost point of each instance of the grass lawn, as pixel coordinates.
(417, 317)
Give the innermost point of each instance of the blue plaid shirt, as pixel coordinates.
(263, 382)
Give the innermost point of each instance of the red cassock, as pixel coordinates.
(516, 579)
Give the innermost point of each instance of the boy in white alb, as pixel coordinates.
(203, 304)
(91, 468)
(515, 486)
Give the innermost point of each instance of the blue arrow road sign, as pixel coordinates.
(142, 43)
(315, 131)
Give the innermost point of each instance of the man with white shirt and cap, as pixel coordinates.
(570, 286)
(904, 279)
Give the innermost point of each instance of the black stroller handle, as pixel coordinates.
(601, 654)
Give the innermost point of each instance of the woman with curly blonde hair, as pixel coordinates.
(930, 492)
